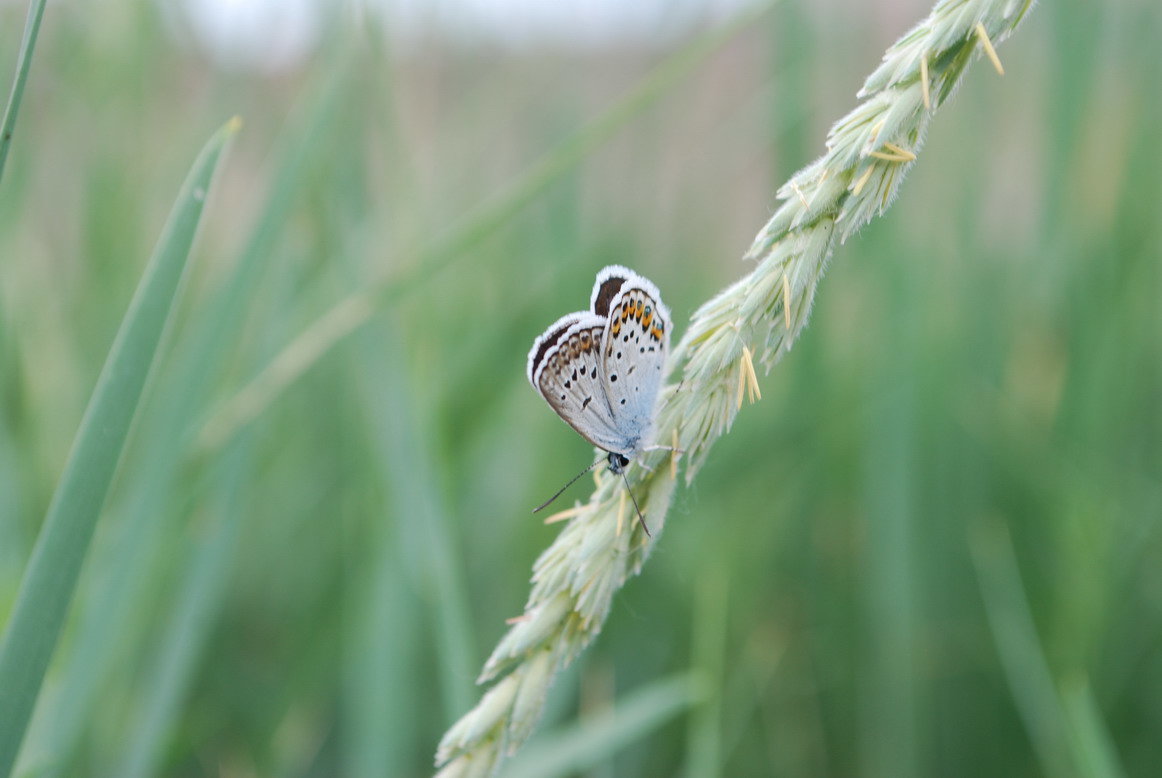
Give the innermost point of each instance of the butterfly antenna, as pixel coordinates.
(572, 481)
(641, 519)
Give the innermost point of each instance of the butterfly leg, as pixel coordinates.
(675, 452)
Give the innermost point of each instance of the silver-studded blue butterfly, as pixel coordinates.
(601, 369)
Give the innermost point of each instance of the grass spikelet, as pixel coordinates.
(757, 318)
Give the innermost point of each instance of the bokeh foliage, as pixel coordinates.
(932, 548)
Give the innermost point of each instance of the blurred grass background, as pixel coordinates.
(932, 549)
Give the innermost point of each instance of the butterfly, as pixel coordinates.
(601, 369)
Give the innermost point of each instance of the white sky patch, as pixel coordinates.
(262, 34)
(536, 23)
(275, 34)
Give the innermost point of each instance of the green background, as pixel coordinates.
(932, 548)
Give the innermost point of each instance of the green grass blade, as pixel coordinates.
(31, 29)
(890, 722)
(1019, 647)
(584, 745)
(194, 614)
(421, 515)
(51, 576)
(704, 752)
(1092, 742)
(121, 593)
(384, 639)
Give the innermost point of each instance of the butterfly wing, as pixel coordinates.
(565, 367)
(634, 347)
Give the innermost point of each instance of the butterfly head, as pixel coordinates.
(617, 462)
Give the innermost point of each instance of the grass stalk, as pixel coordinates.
(755, 320)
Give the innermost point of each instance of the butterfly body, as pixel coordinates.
(601, 369)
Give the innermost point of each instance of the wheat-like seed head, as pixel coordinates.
(755, 319)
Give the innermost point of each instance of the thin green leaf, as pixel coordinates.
(31, 29)
(51, 576)
(704, 744)
(421, 515)
(891, 708)
(586, 744)
(1092, 742)
(193, 616)
(1023, 659)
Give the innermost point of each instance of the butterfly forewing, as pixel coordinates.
(635, 342)
(565, 367)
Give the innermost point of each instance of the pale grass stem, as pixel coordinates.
(755, 319)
